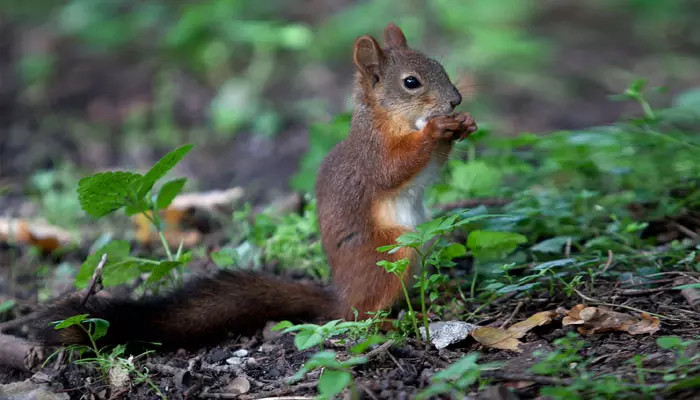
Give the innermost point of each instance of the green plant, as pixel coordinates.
(456, 379)
(110, 364)
(107, 192)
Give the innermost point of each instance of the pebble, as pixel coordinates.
(240, 353)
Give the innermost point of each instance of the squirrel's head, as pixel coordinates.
(406, 84)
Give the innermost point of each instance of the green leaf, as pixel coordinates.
(68, 322)
(307, 339)
(554, 245)
(119, 269)
(282, 325)
(493, 244)
(7, 305)
(168, 191)
(454, 250)
(161, 168)
(100, 327)
(106, 192)
(364, 345)
(669, 342)
(476, 178)
(688, 286)
(161, 270)
(224, 257)
(333, 382)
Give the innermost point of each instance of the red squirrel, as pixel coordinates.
(369, 191)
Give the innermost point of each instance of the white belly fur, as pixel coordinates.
(408, 205)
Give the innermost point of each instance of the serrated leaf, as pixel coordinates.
(333, 382)
(454, 250)
(169, 191)
(161, 168)
(106, 192)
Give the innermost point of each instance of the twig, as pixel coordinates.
(689, 232)
(384, 347)
(638, 292)
(543, 380)
(512, 315)
(602, 303)
(167, 369)
(608, 263)
(271, 395)
(691, 295)
(95, 282)
(567, 249)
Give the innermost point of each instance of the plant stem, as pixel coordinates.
(422, 301)
(410, 308)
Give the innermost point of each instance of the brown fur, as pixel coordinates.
(361, 192)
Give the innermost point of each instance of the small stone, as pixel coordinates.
(443, 334)
(234, 361)
(240, 353)
(239, 385)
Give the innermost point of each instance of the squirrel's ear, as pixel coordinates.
(368, 56)
(394, 37)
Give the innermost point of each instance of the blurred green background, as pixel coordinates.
(87, 85)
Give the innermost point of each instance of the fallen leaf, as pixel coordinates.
(519, 329)
(35, 233)
(496, 338)
(593, 320)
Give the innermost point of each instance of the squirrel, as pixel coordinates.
(369, 191)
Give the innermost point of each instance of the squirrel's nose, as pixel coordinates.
(456, 100)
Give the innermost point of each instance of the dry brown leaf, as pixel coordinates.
(35, 233)
(594, 320)
(496, 338)
(519, 329)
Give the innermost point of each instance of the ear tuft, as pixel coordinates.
(394, 37)
(368, 56)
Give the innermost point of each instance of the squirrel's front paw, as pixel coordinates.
(467, 125)
(443, 127)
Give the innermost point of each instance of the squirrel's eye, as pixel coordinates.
(411, 82)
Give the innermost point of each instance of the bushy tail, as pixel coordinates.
(202, 312)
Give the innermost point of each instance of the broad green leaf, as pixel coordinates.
(493, 244)
(688, 286)
(282, 325)
(161, 270)
(7, 305)
(68, 322)
(454, 250)
(99, 327)
(224, 257)
(307, 339)
(119, 269)
(476, 178)
(364, 345)
(168, 191)
(554, 245)
(333, 382)
(106, 192)
(669, 342)
(161, 168)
